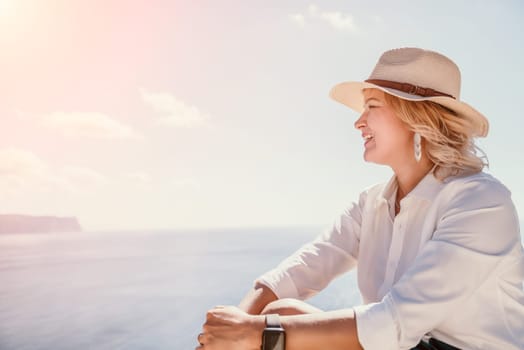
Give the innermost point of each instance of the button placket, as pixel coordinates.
(395, 249)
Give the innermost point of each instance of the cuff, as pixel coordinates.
(280, 283)
(376, 328)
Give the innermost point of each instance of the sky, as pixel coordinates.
(199, 114)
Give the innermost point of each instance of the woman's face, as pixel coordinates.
(387, 140)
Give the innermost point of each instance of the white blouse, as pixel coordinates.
(450, 265)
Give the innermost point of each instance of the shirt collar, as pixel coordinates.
(389, 190)
(426, 189)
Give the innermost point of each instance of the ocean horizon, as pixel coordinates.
(137, 289)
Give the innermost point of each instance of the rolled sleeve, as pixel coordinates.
(376, 327)
(315, 265)
(308, 271)
(444, 276)
(280, 283)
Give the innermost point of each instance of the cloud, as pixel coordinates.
(137, 180)
(138, 177)
(79, 179)
(174, 112)
(298, 19)
(339, 20)
(19, 169)
(313, 10)
(15, 162)
(89, 124)
(336, 19)
(22, 171)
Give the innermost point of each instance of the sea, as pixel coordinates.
(137, 289)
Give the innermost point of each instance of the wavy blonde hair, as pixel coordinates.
(447, 137)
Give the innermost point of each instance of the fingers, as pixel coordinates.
(210, 315)
(214, 322)
(203, 339)
(215, 312)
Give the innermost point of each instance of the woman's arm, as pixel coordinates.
(325, 330)
(257, 299)
(311, 268)
(229, 328)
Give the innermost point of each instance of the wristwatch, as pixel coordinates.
(274, 336)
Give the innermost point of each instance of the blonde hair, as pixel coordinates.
(447, 137)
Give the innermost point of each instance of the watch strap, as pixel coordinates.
(273, 321)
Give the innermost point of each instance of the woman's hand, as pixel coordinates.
(230, 328)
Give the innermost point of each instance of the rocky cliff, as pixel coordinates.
(27, 224)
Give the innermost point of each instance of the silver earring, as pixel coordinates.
(418, 146)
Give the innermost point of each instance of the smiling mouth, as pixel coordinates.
(367, 138)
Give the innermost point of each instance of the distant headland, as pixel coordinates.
(14, 223)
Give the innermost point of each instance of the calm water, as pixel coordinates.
(135, 290)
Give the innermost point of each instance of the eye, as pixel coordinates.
(371, 104)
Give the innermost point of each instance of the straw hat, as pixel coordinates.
(417, 75)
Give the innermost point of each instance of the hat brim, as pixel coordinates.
(350, 93)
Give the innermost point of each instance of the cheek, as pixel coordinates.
(390, 132)
(394, 139)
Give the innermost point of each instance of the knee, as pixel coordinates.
(289, 306)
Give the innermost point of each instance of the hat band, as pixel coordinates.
(408, 88)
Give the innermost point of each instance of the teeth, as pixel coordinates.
(367, 137)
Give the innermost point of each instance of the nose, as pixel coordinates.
(361, 121)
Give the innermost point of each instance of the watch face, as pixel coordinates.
(273, 339)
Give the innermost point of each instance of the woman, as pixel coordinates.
(438, 248)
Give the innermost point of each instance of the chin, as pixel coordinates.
(375, 160)
(371, 158)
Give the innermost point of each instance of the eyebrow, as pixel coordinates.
(372, 98)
